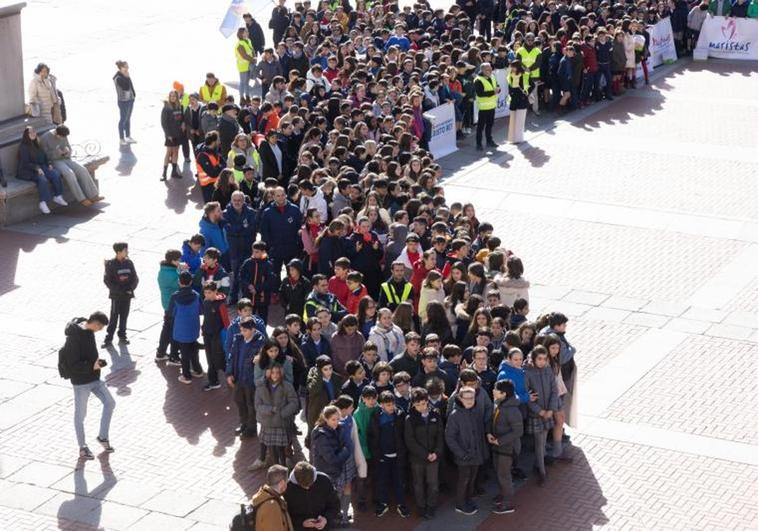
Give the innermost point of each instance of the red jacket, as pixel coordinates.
(339, 289)
(354, 299)
(590, 58)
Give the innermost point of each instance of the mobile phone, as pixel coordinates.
(102, 362)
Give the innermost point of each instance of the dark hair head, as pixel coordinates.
(557, 319)
(369, 392)
(515, 267)
(419, 394)
(42, 66)
(386, 397)
(185, 278)
(120, 246)
(505, 386)
(305, 474)
(62, 130)
(275, 475)
(343, 402)
(171, 255)
(98, 317)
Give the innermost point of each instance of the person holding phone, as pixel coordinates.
(79, 362)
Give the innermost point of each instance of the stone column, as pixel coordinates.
(12, 89)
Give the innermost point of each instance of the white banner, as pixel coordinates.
(729, 38)
(443, 130)
(662, 48)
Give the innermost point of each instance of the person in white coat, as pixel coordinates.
(43, 95)
(511, 283)
(387, 336)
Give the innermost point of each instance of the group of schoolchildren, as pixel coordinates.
(432, 372)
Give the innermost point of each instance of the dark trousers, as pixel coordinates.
(605, 73)
(185, 147)
(244, 397)
(264, 88)
(485, 121)
(125, 118)
(165, 340)
(503, 464)
(214, 355)
(389, 479)
(426, 484)
(464, 489)
(190, 358)
(207, 192)
(118, 317)
(485, 26)
(195, 140)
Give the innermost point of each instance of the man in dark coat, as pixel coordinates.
(257, 38)
(311, 498)
(280, 227)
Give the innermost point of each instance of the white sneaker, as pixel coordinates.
(59, 199)
(130, 140)
(124, 142)
(44, 208)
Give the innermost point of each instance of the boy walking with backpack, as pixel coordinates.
(215, 322)
(121, 280)
(78, 361)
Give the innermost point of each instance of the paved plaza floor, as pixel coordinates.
(637, 218)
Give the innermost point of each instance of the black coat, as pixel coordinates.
(424, 437)
(403, 362)
(120, 278)
(319, 500)
(257, 38)
(328, 452)
(374, 435)
(269, 165)
(80, 353)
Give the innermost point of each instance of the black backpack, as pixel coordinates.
(245, 519)
(63, 369)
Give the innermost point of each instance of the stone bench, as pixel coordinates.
(20, 201)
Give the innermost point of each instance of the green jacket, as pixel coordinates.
(713, 6)
(168, 282)
(752, 9)
(362, 417)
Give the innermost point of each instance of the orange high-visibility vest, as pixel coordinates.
(203, 178)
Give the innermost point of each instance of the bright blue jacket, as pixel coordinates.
(517, 376)
(280, 230)
(239, 361)
(234, 329)
(214, 235)
(184, 306)
(168, 283)
(191, 258)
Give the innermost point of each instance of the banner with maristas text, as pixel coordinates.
(662, 47)
(443, 130)
(729, 38)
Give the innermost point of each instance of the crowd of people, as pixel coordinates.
(330, 279)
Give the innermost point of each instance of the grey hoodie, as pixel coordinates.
(507, 426)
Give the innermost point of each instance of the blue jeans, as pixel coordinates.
(245, 84)
(124, 119)
(81, 398)
(49, 178)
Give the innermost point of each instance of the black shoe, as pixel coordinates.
(517, 473)
(549, 460)
(249, 434)
(403, 511)
(163, 175)
(381, 510)
(211, 387)
(123, 341)
(491, 144)
(85, 453)
(161, 356)
(107, 343)
(565, 438)
(467, 508)
(239, 429)
(478, 148)
(175, 174)
(106, 445)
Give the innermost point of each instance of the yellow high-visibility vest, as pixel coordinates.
(528, 58)
(243, 65)
(487, 103)
(391, 294)
(207, 96)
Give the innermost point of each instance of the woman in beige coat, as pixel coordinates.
(43, 95)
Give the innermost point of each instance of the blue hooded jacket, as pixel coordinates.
(240, 229)
(234, 329)
(239, 361)
(185, 308)
(517, 376)
(214, 235)
(191, 258)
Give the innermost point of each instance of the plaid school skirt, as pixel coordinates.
(275, 437)
(347, 475)
(538, 424)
